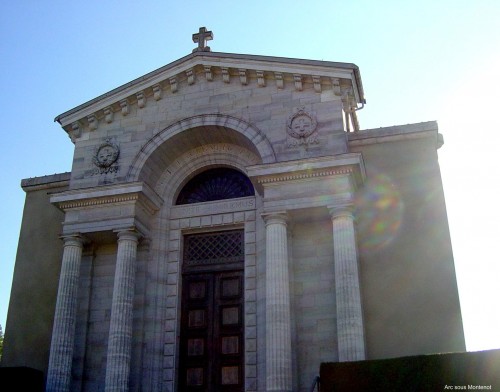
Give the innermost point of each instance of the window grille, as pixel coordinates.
(215, 184)
(214, 248)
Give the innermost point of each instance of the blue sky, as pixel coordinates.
(419, 61)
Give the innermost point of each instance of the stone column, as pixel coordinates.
(120, 329)
(63, 331)
(351, 341)
(278, 335)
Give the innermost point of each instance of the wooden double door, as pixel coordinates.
(212, 328)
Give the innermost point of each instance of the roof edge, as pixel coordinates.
(46, 182)
(220, 55)
(397, 132)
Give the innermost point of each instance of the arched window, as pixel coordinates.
(215, 184)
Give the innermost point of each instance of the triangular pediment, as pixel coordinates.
(207, 67)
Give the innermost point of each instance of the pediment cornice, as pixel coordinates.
(229, 68)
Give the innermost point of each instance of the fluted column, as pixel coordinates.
(278, 335)
(63, 332)
(351, 341)
(120, 329)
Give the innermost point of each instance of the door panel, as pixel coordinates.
(211, 348)
(229, 331)
(212, 328)
(197, 330)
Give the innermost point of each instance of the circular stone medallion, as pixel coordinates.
(106, 154)
(301, 124)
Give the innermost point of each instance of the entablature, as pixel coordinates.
(107, 208)
(308, 183)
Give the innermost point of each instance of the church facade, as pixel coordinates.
(227, 226)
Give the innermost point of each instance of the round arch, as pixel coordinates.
(213, 184)
(186, 166)
(151, 158)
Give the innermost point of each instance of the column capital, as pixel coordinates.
(130, 234)
(345, 210)
(279, 217)
(75, 239)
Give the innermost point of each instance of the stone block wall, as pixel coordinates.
(268, 108)
(95, 294)
(410, 295)
(313, 293)
(36, 276)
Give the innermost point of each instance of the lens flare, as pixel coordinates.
(379, 213)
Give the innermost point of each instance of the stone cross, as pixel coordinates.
(201, 37)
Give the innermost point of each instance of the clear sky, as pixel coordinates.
(419, 60)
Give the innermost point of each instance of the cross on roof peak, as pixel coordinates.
(201, 37)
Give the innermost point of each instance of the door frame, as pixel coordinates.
(211, 216)
(213, 333)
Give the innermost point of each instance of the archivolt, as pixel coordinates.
(254, 136)
(185, 167)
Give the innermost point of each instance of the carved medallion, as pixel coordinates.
(301, 126)
(105, 156)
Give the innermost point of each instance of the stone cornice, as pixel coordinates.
(46, 182)
(303, 175)
(345, 164)
(396, 133)
(66, 205)
(237, 66)
(109, 195)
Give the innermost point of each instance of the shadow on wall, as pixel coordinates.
(21, 379)
(438, 372)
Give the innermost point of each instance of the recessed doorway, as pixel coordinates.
(212, 328)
